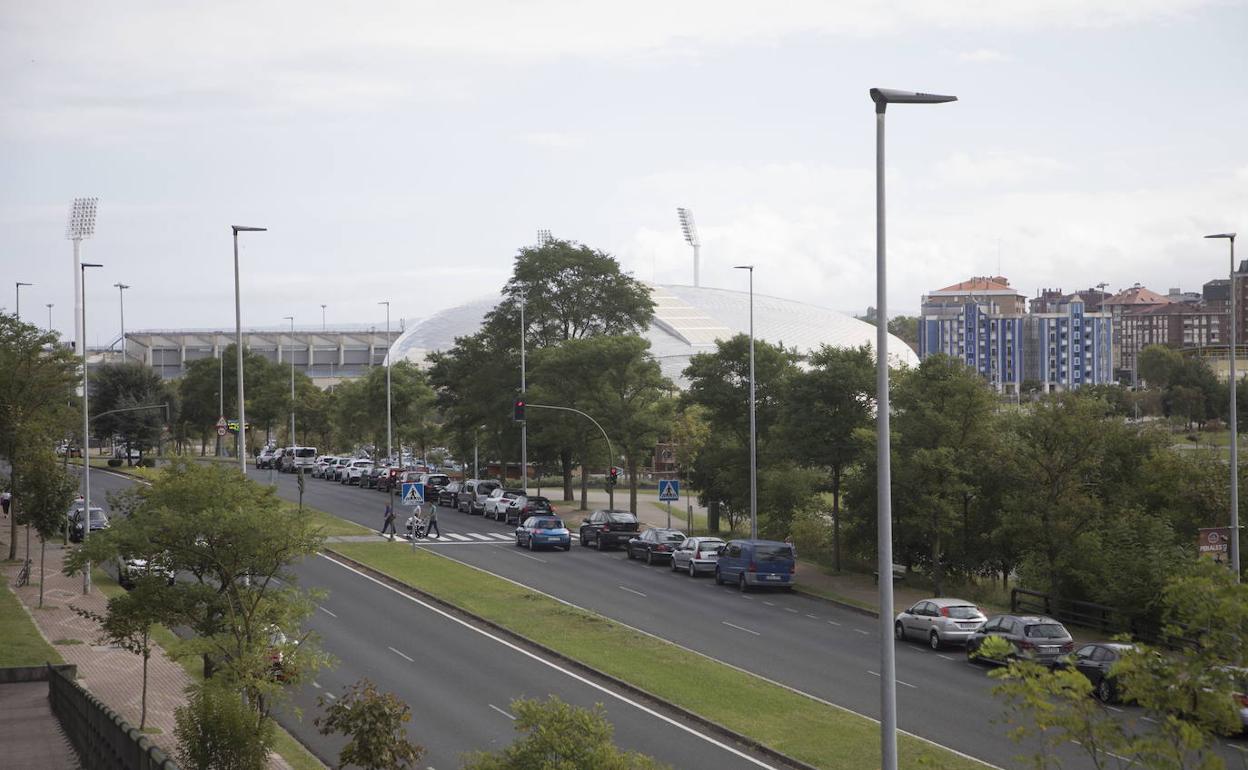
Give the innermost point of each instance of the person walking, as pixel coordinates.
(6, 499)
(433, 521)
(389, 522)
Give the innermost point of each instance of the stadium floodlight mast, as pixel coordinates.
(884, 503)
(389, 435)
(17, 311)
(49, 316)
(291, 318)
(1234, 415)
(238, 343)
(81, 226)
(323, 317)
(544, 237)
(753, 430)
(690, 229)
(86, 428)
(121, 295)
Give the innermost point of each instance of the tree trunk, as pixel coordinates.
(13, 499)
(712, 517)
(565, 463)
(836, 518)
(147, 653)
(631, 462)
(43, 549)
(938, 564)
(584, 487)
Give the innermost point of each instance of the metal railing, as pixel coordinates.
(100, 736)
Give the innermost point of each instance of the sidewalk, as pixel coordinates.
(112, 674)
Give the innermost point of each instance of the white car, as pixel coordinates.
(696, 554)
(499, 503)
(351, 474)
(322, 462)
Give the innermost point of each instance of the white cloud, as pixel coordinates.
(984, 55)
(555, 140)
(995, 168)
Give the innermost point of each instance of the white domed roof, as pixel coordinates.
(687, 320)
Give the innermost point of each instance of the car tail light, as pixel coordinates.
(1026, 645)
(662, 548)
(1068, 647)
(753, 567)
(944, 612)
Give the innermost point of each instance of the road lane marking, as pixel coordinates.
(833, 623)
(770, 604)
(946, 657)
(330, 695)
(327, 612)
(521, 553)
(317, 685)
(631, 591)
(1114, 708)
(501, 536)
(566, 672)
(455, 536)
(479, 537)
(898, 681)
(504, 713)
(790, 609)
(864, 633)
(812, 617)
(401, 655)
(740, 628)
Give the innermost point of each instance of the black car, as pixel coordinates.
(530, 505)
(1096, 661)
(99, 521)
(655, 544)
(605, 528)
(434, 484)
(448, 497)
(370, 480)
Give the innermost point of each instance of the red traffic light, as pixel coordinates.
(518, 412)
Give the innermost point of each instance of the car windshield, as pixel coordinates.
(97, 516)
(770, 552)
(671, 537)
(622, 518)
(962, 612)
(306, 452)
(1045, 631)
(539, 502)
(548, 524)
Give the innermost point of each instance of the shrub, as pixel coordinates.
(147, 462)
(114, 462)
(216, 730)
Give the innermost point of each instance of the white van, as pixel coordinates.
(294, 458)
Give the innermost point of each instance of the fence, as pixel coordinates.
(100, 736)
(1100, 617)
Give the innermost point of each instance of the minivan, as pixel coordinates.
(752, 563)
(474, 493)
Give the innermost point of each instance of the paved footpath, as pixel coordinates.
(111, 673)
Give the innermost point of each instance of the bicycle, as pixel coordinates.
(23, 577)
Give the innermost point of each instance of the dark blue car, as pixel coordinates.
(752, 563)
(537, 531)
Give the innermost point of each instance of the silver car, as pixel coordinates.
(939, 622)
(696, 554)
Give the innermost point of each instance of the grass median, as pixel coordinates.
(803, 728)
(21, 644)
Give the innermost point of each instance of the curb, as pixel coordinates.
(579, 666)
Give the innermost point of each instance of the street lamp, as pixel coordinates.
(17, 311)
(389, 426)
(884, 503)
(81, 225)
(121, 294)
(49, 316)
(323, 317)
(524, 426)
(690, 229)
(238, 343)
(1234, 417)
(753, 432)
(291, 318)
(86, 428)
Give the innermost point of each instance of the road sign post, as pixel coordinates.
(669, 492)
(413, 493)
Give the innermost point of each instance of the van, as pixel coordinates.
(305, 458)
(752, 563)
(474, 493)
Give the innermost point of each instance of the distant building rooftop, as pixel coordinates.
(1137, 295)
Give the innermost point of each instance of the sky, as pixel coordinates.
(405, 151)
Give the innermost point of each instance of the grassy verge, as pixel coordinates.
(21, 644)
(333, 526)
(805, 729)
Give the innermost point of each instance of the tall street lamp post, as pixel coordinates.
(121, 296)
(49, 316)
(81, 226)
(323, 317)
(524, 426)
(86, 428)
(753, 429)
(291, 318)
(690, 230)
(389, 423)
(17, 310)
(884, 505)
(1234, 415)
(238, 343)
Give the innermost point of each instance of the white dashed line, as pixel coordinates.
(330, 695)
(770, 604)
(945, 657)
(903, 684)
(327, 612)
(864, 633)
(740, 628)
(833, 623)
(631, 591)
(504, 713)
(317, 685)
(812, 617)
(790, 609)
(401, 655)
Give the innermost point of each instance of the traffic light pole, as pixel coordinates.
(610, 450)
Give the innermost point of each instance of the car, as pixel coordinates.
(1096, 661)
(339, 467)
(696, 554)
(322, 462)
(525, 506)
(481, 491)
(265, 458)
(129, 569)
(1239, 693)
(68, 450)
(500, 499)
(656, 544)
(370, 479)
(448, 497)
(1033, 637)
(939, 621)
(296, 457)
(543, 530)
(351, 474)
(434, 483)
(754, 563)
(467, 495)
(608, 528)
(99, 521)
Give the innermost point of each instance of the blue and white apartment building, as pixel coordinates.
(984, 323)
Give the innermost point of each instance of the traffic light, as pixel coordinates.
(518, 413)
(613, 475)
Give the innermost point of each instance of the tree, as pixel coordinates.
(49, 493)
(216, 730)
(559, 736)
(128, 386)
(823, 407)
(37, 378)
(127, 623)
(374, 723)
(1158, 364)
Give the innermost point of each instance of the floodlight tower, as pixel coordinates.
(81, 226)
(121, 294)
(238, 343)
(543, 237)
(690, 229)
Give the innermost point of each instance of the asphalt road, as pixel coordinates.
(806, 644)
(459, 679)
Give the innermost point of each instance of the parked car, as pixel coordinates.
(296, 457)
(265, 458)
(68, 449)
(449, 496)
(1033, 637)
(525, 506)
(322, 462)
(369, 480)
(340, 465)
(351, 474)
(939, 622)
(696, 554)
(99, 521)
(129, 570)
(654, 544)
(606, 528)
(752, 563)
(1239, 693)
(481, 491)
(500, 499)
(1096, 661)
(434, 484)
(543, 530)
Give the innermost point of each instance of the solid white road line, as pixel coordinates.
(327, 612)
(567, 672)
(514, 552)
(401, 655)
(504, 713)
(631, 591)
(740, 628)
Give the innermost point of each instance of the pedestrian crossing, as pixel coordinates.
(467, 538)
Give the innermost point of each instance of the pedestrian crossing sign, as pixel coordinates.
(413, 493)
(669, 490)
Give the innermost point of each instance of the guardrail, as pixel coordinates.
(100, 736)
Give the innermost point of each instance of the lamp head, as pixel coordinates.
(1228, 236)
(23, 283)
(688, 227)
(743, 267)
(81, 219)
(886, 96)
(122, 286)
(245, 229)
(85, 265)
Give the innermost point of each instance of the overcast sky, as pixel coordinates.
(405, 150)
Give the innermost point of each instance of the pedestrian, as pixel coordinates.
(389, 522)
(433, 521)
(6, 499)
(792, 547)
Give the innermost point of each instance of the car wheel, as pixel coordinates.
(628, 549)
(1104, 692)
(970, 654)
(933, 640)
(742, 585)
(531, 544)
(899, 632)
(517, 541)
(568, 547)
(692, 571)
(674, 567)
(583, 543)
(599, 545)
(649, 558)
